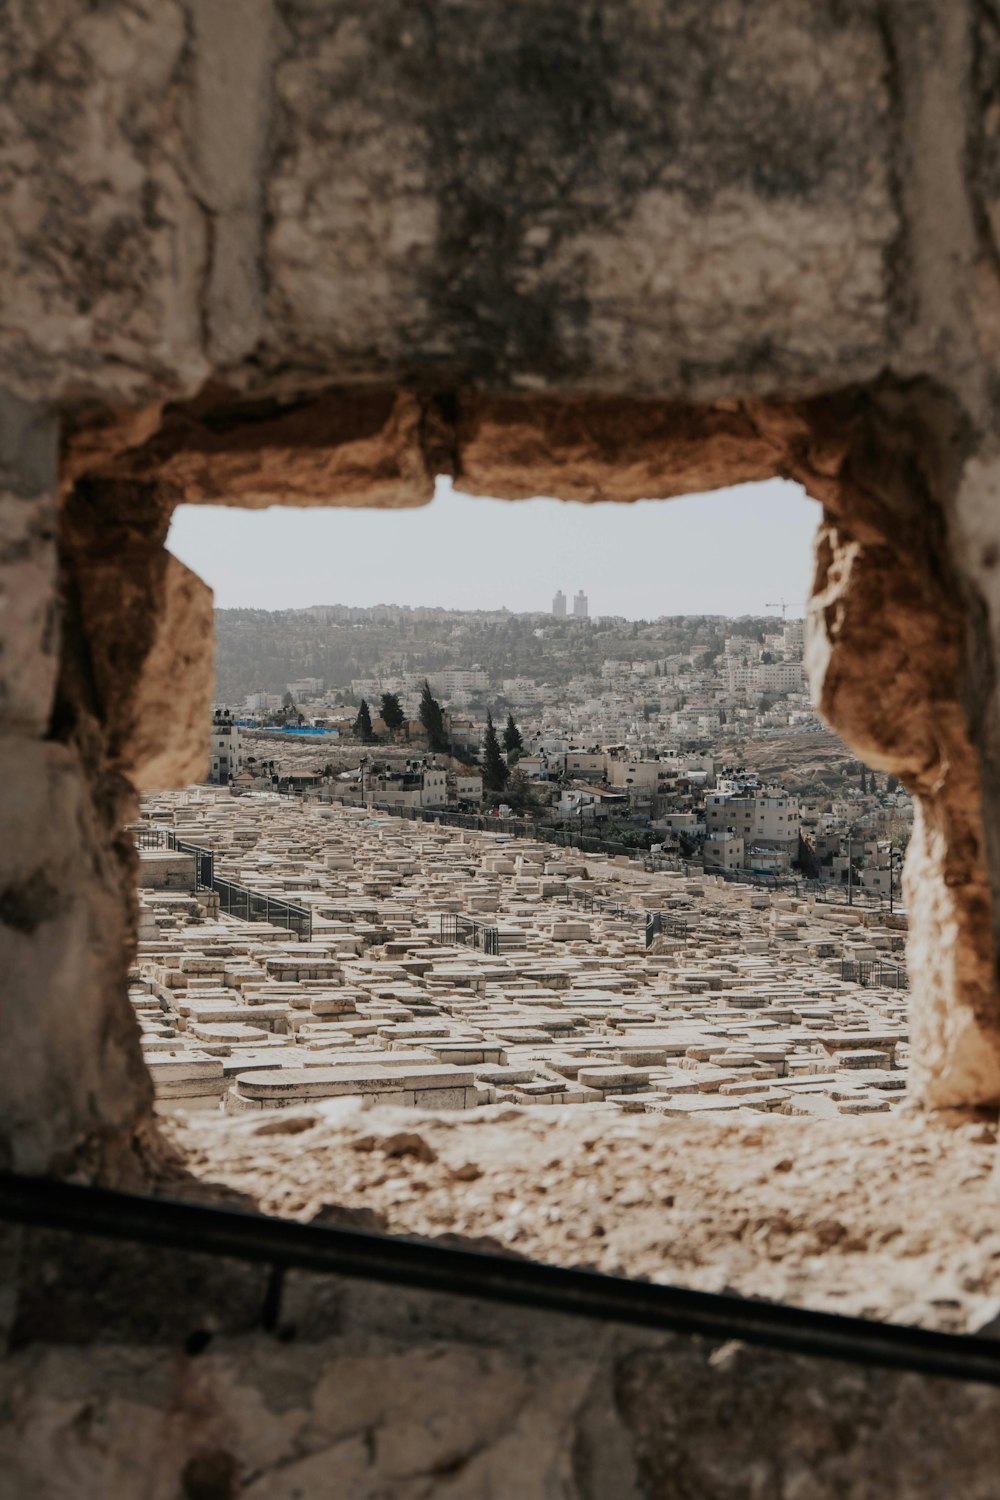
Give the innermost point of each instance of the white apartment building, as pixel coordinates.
(766, 861)
(586, 765)
(678, 822)
(773, 677)
(779, 677)
(724, 850)
(581, 607)
(418, 787)
(637, 772)
(741, 647)
(522, 690)
(769, 817)
(452, 680)
(226, 751)
(434, 791)
(559, 604)
(468, 787)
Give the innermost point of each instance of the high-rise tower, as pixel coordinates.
(581, 608)
(559, 603)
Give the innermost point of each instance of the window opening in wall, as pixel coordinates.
(525, 899)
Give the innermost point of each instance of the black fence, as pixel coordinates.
(874, 973)
(234, 899)
(522, 828)
(204, 863)
(659, 924)
(456, 931)
(789, 884)
(153, 838)
(254, 906)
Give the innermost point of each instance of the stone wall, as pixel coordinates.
(279, 253)
(264, 252)
(370, 1391)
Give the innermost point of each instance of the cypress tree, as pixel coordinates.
(512, 741)
(391, 712)
(432, 719)
(495, 769)
(363, 724)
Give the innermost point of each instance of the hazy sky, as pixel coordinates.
(730, 552)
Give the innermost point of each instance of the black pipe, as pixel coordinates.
(169, 1224)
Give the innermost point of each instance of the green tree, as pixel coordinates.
(512, 741)
(495, 769)
(432, 719)
(363, 724)
(518, 793)
(391, 712)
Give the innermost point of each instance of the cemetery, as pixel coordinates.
(585, 1000)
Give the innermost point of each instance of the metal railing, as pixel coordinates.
(657, 923)
(204, 863)
(152, 838)
(235, 900)
(787, 884)
(256, 906)
(874, 973)
(457, 931)
(166, 1224)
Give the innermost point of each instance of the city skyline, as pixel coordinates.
(732, 552)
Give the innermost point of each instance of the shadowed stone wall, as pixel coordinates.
(377, 1392)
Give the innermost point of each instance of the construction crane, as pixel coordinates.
(783, 604)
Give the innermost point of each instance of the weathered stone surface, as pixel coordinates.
(520, 192)
(72, 1081)
(333, 448)
(224, 113)
(506, 196)
(869, 621)
(103, 239)
(149, 622)
(887, 665)
(612, 450)
(373, 1391)
(28, 611)
(890, 1216)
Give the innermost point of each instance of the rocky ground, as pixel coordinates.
(893, 1217)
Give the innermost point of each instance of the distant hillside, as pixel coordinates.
(263, 650)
